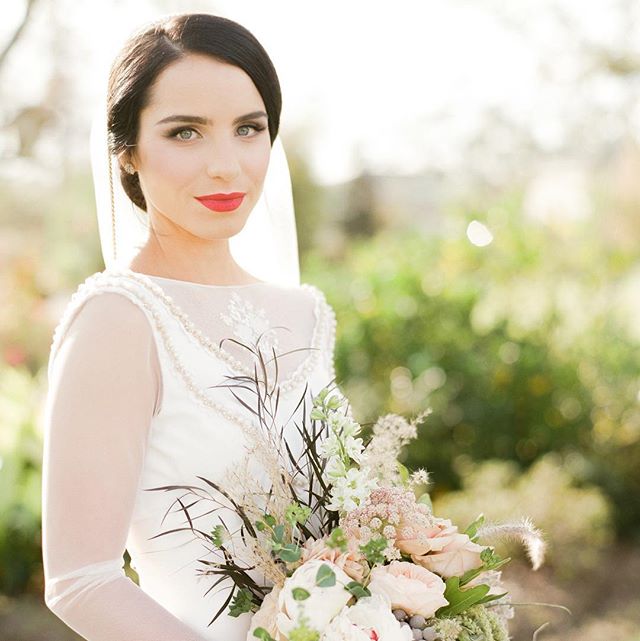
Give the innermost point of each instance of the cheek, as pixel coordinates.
(257, 164)
(168, 166)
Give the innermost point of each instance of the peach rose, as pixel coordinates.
(450, 553)
(409, 587)
(413, 534)
(351, 561)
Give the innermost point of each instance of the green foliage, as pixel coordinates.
(337, 539)
(357, 589)
(242, 602)
(297, 514)
(325, 576)
(217, 535)
(373, 550)
(520, 347)
(575, 519)
(302, 632)
(20, 480)
(490, 561)
(300, 594)
(472, 528)
(481, 623)
(285, 550)
(459, 599)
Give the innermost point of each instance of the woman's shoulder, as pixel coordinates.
(102, 312)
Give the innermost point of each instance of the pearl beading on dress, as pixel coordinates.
(90, 287)
(110, 280)
(324, 329)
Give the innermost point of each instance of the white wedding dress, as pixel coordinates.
(130, 407)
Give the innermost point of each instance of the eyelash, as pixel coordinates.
(175, 132)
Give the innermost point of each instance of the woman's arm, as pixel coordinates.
(103, 391)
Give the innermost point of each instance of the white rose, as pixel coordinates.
(323, 604)
(369, 618)
(341, 629)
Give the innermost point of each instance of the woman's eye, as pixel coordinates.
(179, 131)
(256, 128)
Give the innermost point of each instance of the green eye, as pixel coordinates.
(174, 133)
(256, 128)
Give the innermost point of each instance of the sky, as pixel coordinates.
(401, 84)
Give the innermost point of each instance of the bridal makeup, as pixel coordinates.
(222, 202)
(203, 149)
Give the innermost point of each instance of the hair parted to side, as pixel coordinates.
(154, 47)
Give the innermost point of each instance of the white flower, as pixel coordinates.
(343, 425)
(335, 468)
(329, 446)
(350, 491)
(354, 448)
(341, 629)
(323, 604)
(369, 618)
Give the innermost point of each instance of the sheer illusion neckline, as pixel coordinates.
(298, 376)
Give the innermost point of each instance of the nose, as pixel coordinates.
(223, 162)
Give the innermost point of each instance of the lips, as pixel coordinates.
(222, 202)
(220, 196)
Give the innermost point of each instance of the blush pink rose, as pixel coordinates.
(351, 560)
(450, 553)
(409, 587)
(414, 530)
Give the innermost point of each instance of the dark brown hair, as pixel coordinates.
(150, 50)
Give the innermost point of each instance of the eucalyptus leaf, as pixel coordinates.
(278, 533)
(325, 576)
(357, 589)
(290, 553)
(300, 594)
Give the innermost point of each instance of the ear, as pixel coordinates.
(124, 157)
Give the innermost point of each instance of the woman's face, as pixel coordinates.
(225, 151)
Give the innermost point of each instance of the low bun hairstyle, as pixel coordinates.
(153, 48)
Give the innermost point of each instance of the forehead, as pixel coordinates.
(204, 84)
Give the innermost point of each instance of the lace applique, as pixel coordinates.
(250, 324)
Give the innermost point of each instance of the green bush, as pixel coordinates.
(576, 521)
(520, 347)
(20, 481)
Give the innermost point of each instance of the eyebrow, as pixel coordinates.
(205, 121)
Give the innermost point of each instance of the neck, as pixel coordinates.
(207, 262)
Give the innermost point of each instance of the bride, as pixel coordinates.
(198, 238)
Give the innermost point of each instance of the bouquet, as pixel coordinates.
(343, 535)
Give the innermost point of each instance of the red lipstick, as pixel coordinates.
(221, 201)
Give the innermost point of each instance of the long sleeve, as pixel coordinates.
(104, 388)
